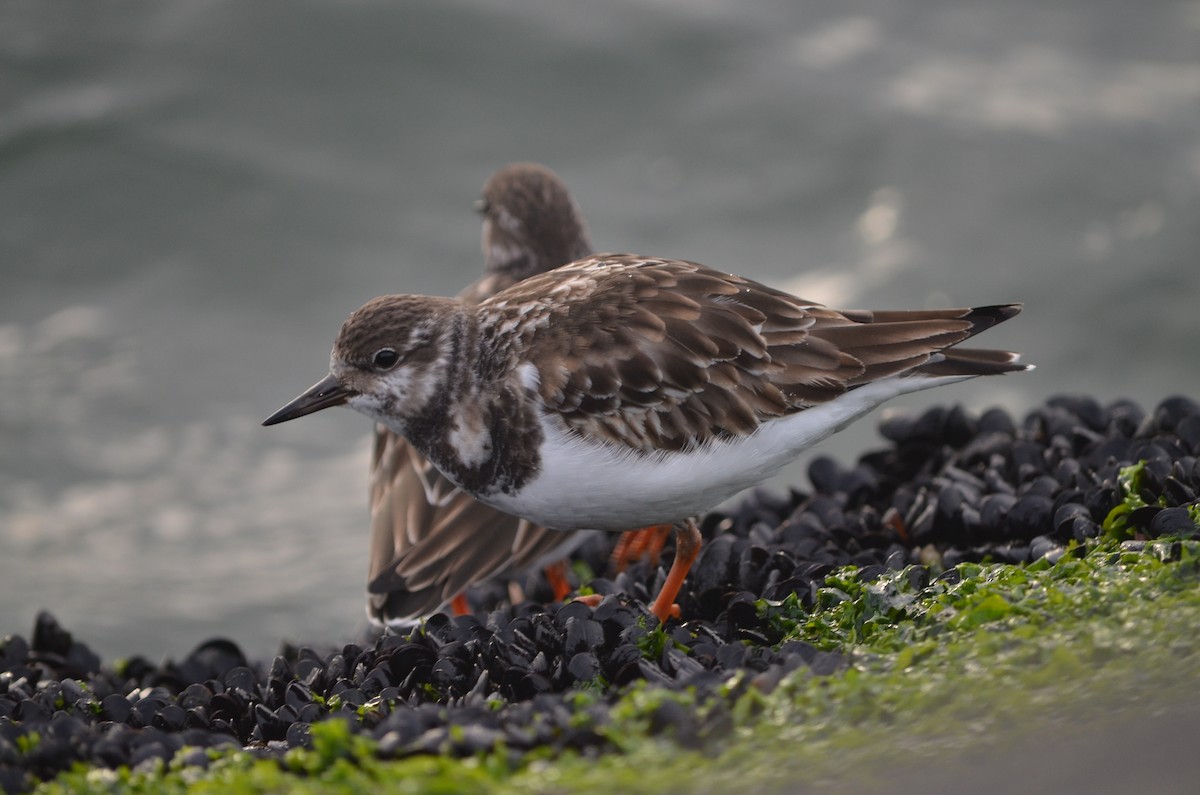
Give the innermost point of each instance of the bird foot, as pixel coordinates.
(687, 547)
(593, 601)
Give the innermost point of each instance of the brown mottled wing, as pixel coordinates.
(430, 540)
(665, 354)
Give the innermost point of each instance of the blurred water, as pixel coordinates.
(193, 195)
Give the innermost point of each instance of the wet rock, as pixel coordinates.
(1173, 522)
(1029, 515)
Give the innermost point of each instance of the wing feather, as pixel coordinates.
(659, 354)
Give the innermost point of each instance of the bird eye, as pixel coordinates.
(386, 358)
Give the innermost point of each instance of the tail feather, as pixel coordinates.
(984, 317)
(920, 342)
(978, 361)
(981, 317)
(973, 361)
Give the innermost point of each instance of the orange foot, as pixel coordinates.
(459, 605)
(593, 601)
(894, 521)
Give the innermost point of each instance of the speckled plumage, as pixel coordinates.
(634, 357)
(429, 539)
(621, 390)
(655, 354)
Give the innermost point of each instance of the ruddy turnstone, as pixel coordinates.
(429, 539)
(620, 391)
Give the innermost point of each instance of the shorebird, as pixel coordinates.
(619, 391)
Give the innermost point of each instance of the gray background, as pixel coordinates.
(193, 195)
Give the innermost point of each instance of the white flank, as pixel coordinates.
(583, 484)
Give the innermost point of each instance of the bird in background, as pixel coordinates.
(431, 541)
(619, 391)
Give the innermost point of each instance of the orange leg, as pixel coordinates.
(644, 544)
(687, 547)
(556, 575)
(893, 520)
(459, 606)
(619, 558)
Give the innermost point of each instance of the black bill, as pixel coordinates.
(325, 393)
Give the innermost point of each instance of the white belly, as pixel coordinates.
(588, 485)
